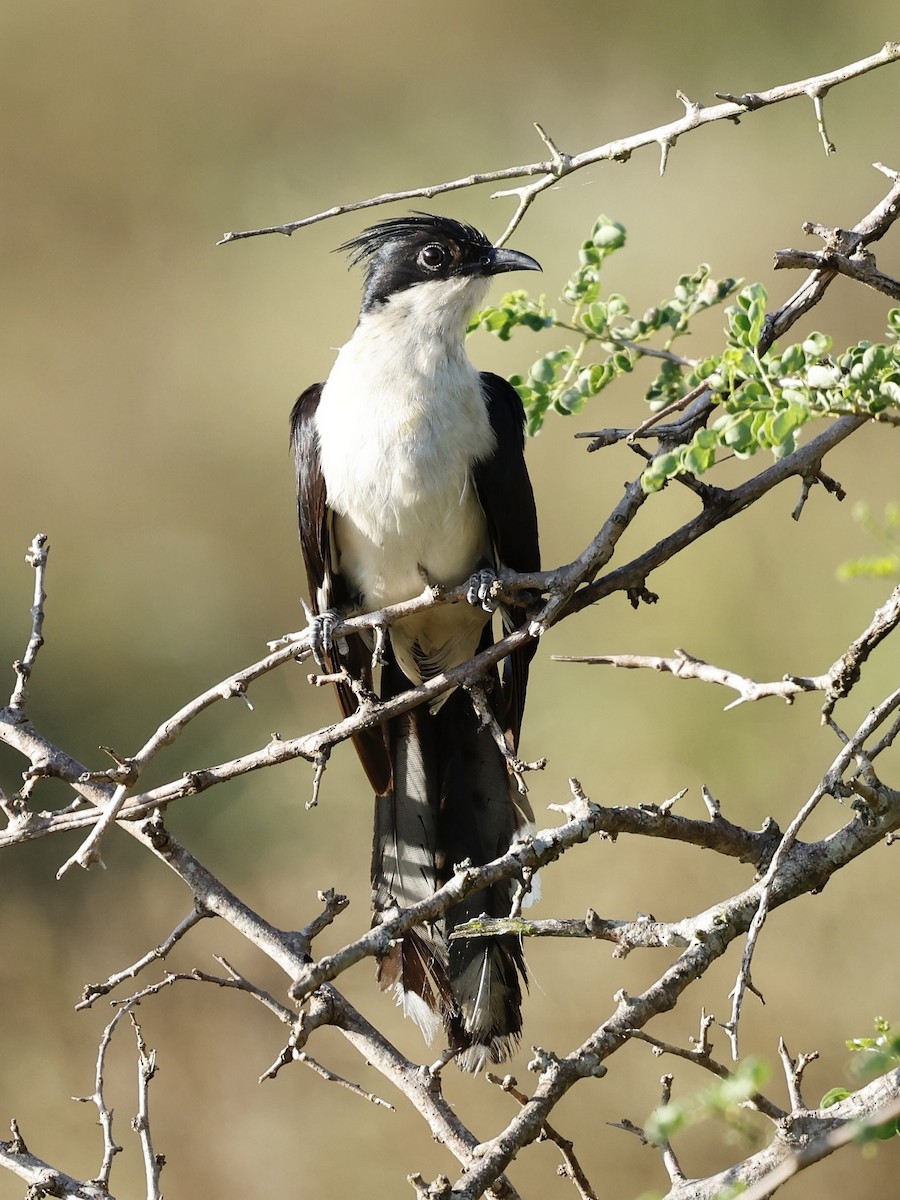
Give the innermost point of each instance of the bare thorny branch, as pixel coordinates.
(786, 867)
(550, 171)
(836, 682)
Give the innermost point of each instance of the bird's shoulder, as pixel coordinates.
(304, 411)
(505, 410)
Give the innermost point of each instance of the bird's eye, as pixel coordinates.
(433, 257)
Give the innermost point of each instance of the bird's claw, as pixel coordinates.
(321, 636)
(482, 590)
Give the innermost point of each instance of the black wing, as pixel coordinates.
(326, 588)
(504, 490)
(312, 502)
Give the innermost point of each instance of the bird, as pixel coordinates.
(410, 470)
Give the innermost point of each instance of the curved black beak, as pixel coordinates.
(501, 260)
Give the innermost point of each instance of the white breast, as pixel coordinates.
(401, 421)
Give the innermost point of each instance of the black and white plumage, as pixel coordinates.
(410, 467)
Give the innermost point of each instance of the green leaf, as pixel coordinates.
(784, 424)
(886, 1130)
(595, 319)
(737, 434)
(885, 566)
(817, 345)
(698, 459)
(665, 1122)
(874, 359)
(659, 471)
(570, 401)
(792, 360)
(543, 371)
(707, 438)
(744, 321)
(608, 235)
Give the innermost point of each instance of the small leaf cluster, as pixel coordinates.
(887, 531)
(764, 395)
(723, 1099)
(878, 1055)
(766, 398)
(608, 340)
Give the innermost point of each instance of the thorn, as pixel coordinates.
(561, 162)
(321, 763)
(817, 98)
(712, 804)
(665, 145)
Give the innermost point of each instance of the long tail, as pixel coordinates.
(451, 798)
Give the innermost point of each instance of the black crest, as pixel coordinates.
(404, 251)
(413, 230)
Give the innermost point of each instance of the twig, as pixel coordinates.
(331, 1077)
(292, 1053)
(36, 557)
(802, 1142)
(860, 267)
(234, 686)
(334, 904)
(94, 991)
(845, 249)
(808, 869)
(845, 672)
(643, 933)
(793, 1073)
(44, 1179)
(104, 1112)
(836, 682)
(768, 882)
(701, 1054)
(515, 765)
(321, 762)
(670, 1161)
(423, 1092)
(584, 820)
(686, 666)
(571, 1167)
(646, 425)
(817, 94)
(558, 165)
(722, 506)
(153, 1162)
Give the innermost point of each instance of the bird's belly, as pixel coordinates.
(389, 558)
(389, 551)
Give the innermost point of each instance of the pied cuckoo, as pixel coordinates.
(410, 470)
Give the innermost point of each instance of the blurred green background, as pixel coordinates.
(147, 375)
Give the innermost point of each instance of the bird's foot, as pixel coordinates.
(321, 636)
(483, 588)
